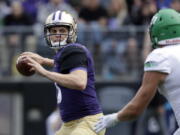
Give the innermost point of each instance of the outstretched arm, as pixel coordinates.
(137, 105)
(146, 92)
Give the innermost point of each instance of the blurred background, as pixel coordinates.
(116, 33)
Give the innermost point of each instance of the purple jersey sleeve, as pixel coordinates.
(72, 58)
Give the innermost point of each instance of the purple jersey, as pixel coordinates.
(76, 104)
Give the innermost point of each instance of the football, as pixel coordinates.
(23, 68)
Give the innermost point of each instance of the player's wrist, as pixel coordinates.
(115, 117)
(45, 73)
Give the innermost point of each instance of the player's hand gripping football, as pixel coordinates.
(34, 56)
(105, 122)
(35, 65)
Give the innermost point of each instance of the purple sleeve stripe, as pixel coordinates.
(78, 68)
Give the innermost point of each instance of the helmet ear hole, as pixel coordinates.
(160, 19)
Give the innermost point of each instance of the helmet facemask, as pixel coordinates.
(57, 40)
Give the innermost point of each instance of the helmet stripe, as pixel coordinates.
(170, 41)
(54, 16)
(60, 14)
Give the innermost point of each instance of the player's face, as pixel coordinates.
(59, 33)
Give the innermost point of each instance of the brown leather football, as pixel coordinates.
(23, 68)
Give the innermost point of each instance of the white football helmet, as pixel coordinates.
(60, 18)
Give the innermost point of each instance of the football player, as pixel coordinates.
(161, 71)
(73, 75)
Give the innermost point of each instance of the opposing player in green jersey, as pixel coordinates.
(161, 71)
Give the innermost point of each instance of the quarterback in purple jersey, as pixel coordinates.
(73, 75)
